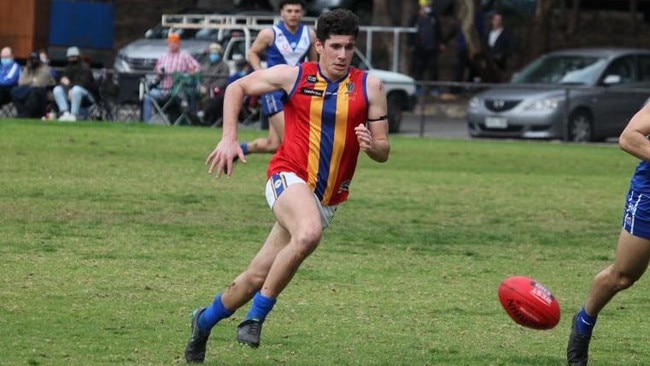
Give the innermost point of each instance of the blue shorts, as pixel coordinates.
(636, 215)
(272, 103)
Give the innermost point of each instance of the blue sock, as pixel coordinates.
(244, 147)
(584, 323)
(262, 306)
(212, 314)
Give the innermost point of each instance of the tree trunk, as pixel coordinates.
(539, 32)
(482, 65)
(382, 42)
(408, 10)
(466, 11)
(574, 18)
(634, 8)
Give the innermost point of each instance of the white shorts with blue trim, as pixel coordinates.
(281, 181)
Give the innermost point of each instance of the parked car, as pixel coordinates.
(605, 87)
(400, 88)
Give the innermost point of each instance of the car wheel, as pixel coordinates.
(394, 113)
(580, 127)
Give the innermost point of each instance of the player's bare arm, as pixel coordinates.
(633, 139)
(257, 83)
(267, 80)
(373, 136)
(312, 55)
(262, 42)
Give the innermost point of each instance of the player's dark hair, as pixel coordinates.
(340, 22)
(292, 2)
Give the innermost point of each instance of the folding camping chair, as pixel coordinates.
(100, 106)
(179, 105)
(127, 101)
(8, 111)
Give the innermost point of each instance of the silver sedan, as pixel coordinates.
(577, 95)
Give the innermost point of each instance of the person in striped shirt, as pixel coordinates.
(173, 61)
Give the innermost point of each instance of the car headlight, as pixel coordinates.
(543, 104)
(474, 103)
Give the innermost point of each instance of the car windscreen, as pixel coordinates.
(561, 69)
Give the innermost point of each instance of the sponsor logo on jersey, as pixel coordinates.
(313, 92)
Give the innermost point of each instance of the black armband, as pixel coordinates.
(385, 116)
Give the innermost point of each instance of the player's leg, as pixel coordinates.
(630, 262)
(298, 212)
(238, 293)
(272, 108)
(242, 289)
(272, 141)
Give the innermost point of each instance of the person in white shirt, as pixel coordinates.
(500, 42)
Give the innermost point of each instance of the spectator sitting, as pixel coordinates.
(30, 96)
(173, 61)
(215, 74)
(45, 59)
(77, 83)
(242, 68)
(9, 75)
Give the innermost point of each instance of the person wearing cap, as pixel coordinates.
(76, 85)
(30, 96)
(173, 61)
(9, 74)
(215, 72)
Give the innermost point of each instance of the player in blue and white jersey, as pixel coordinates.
(288, 42)
(633, 247)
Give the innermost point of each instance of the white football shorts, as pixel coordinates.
(281, 181)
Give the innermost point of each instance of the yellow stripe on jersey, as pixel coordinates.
(316, 121)
(340, 132)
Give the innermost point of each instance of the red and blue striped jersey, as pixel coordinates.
(319, 144)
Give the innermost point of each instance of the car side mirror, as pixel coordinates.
(612, 79)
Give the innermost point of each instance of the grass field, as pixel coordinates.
(112, 233)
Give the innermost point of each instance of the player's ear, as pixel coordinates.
(319, 46)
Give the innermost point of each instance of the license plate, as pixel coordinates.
(496, 122)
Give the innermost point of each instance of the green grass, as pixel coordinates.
(112, 233)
